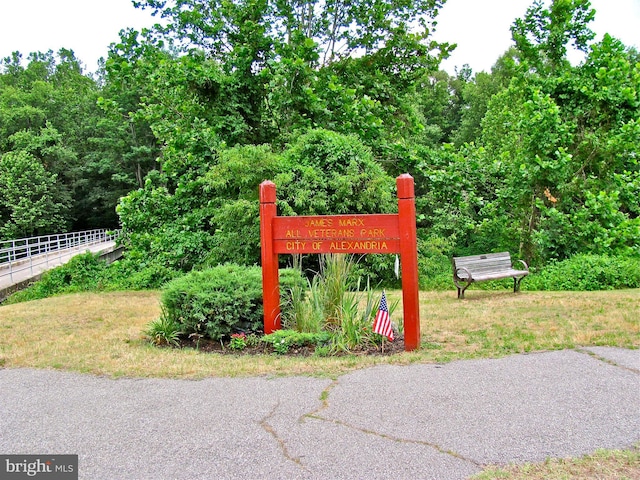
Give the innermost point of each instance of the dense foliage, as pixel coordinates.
(587, 272)
(219, 301)
(67, 155)
(87, 272)
(331, 101)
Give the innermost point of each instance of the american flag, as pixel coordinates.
(382, 323)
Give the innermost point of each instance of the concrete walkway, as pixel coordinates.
(388, 422)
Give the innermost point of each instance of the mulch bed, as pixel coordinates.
(211, 346)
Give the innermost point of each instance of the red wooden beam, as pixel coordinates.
(409, 261)
(270, 281)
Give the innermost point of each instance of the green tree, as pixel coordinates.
(273, 68)
(438, 106)
(525, 132)
(554, 171)
(476, 94)
(50, 109)
(543, 35)
(565, 150)
(28, 205)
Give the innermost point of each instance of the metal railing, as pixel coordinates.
(26, 253)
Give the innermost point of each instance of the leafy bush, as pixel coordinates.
(130, 275)
(434, 263)
(283, 340)
(326, 173)
(87, 272)
(216, 302)
(219, 301)
(80, 274)
(587, 272)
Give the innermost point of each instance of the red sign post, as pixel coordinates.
(379, 233)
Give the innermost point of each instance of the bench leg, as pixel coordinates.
(516, 284)
(460, 288)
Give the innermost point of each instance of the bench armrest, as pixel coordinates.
(457, 280)
(458, 277)
(526, 267)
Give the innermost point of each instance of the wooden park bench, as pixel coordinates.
(481, 268)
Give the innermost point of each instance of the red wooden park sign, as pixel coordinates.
(378, 233)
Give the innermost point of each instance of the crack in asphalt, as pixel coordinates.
(324, 405)
(606, 360)
(393, 438)
(264, 423)
(324, 398)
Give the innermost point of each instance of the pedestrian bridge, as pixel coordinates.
(24, 260)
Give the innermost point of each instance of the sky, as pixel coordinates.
(479, 27)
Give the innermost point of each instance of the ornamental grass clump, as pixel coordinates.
(312, 311)
(164, 331)
(335, 303)
(356, 319)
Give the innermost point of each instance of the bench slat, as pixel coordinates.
(485, 268)
(493, 275)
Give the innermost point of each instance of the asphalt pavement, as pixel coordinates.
(421, 421)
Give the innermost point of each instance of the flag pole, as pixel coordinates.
(384, 339)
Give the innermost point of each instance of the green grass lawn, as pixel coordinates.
(103, 333)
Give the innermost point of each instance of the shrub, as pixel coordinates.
(434, 263)
(216, 302)
(283, 340)
(79, 274)
(587, 272)
(125, 274)
(219, 301)
(328, 173)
